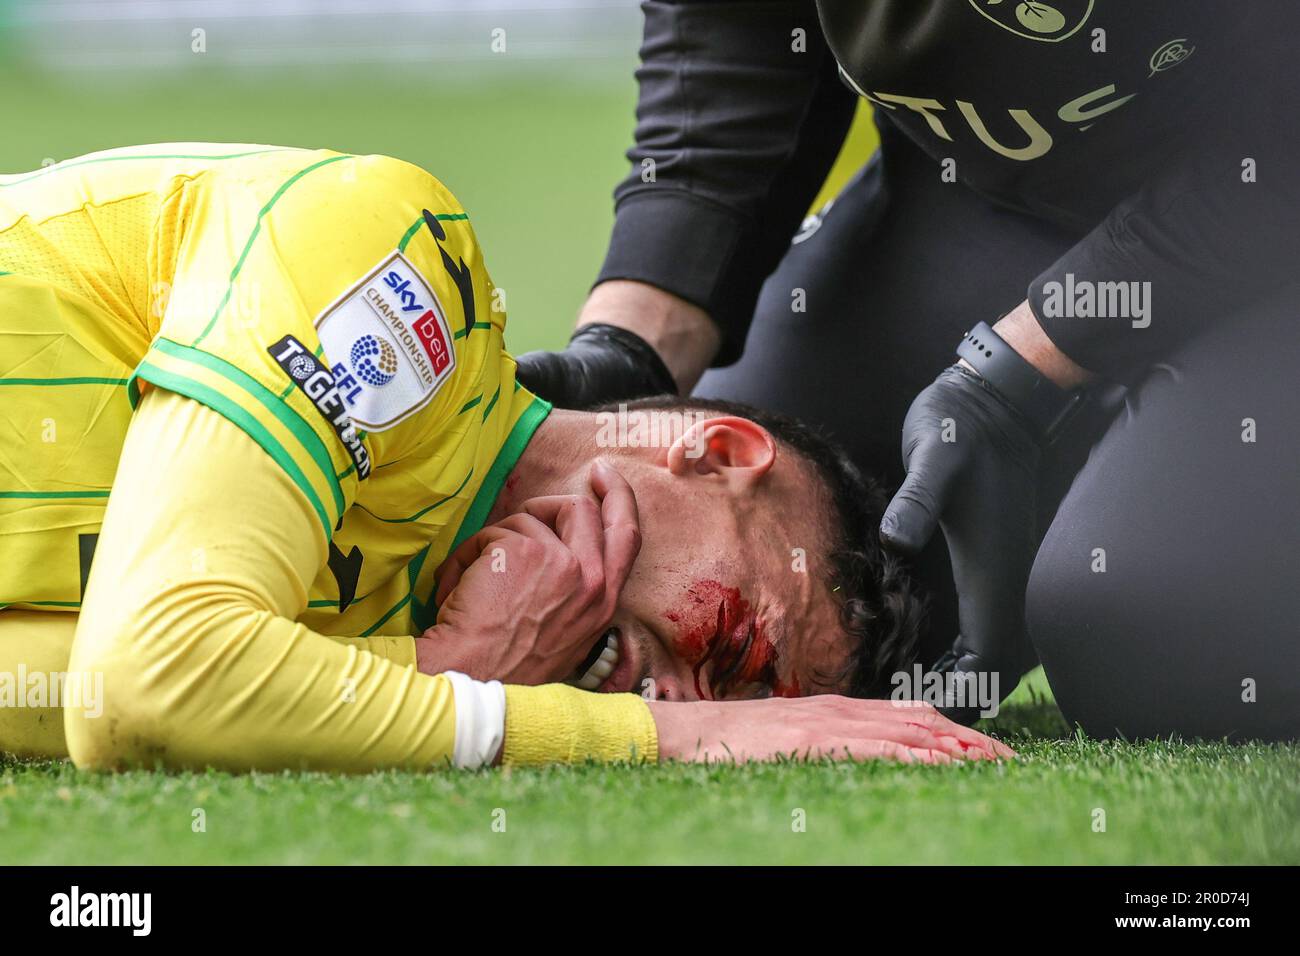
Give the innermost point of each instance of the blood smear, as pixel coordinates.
(716, 622)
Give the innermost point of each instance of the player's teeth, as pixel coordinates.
(604, 665)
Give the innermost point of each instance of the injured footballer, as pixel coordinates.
(268, 479)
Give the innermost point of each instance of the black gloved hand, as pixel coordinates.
(972, 467)
(602, 363)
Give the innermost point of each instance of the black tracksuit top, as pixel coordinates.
(1165, 132)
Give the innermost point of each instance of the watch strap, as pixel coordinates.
(1041, 401)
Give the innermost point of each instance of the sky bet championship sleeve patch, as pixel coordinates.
(315, 381)
(388, 344)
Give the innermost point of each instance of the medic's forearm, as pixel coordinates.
(681, 332)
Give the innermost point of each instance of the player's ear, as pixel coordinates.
(734, 448)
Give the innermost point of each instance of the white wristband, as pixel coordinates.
(480, 720)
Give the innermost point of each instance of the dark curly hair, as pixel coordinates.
(880, 607)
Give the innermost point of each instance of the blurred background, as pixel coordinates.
(522, 107)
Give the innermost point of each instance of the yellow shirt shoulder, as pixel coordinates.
(335, 307)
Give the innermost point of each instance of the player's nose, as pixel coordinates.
(672, 688)
(670, 677)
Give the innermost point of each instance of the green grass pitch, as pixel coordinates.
(1162, 803)
(534, 165)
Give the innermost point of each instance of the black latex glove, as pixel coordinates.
(979, 486)
(602, 363)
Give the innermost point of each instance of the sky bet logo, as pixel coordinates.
(426, 327)
(404, 292)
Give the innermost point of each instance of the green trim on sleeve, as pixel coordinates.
(280, 408)
(462, 332)
(246, 421)
(5, 604)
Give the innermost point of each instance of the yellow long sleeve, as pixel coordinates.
(203, 561)
(398, 649)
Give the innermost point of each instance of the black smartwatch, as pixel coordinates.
(1046, 405)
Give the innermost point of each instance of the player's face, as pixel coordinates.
(725, 601)
(694, 626)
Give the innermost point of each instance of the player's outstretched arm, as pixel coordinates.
(815, 728)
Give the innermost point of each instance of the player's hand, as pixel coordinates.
(828, 726)
(524, 600)
(972, 466)
(602, 363)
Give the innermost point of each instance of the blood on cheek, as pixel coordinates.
(718, 628)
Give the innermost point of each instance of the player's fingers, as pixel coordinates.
(547, 508)
(924, 755)
(562, 563)
(453, 566)
(915, 735)
(576, 520)
(501, 533)
(1003, 750)
(622, 526)
(922, 713)
(892, 750)
(530, 527)
(467, 552)
(966, 736)
(960, 748)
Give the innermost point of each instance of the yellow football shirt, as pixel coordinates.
(336, 308)
(335, 311)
